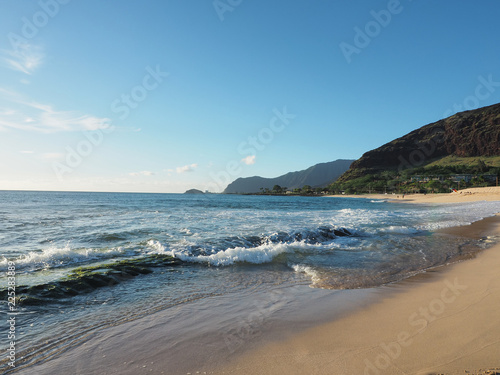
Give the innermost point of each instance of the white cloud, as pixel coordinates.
(35, 116)
(249, 160)
(186, 168)
(142, 173)
(53, 156)
(7, 111)
(26, 58)
(27, 152)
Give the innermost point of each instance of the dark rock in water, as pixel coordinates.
(83, 280)
(193, 191)
(342, 232)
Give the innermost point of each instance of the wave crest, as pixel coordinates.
(250, 249)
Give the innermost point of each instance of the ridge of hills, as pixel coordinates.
(462, 150)
(319, 175)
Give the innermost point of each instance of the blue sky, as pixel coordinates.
(163, 96)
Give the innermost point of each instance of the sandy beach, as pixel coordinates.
(442, 322)
(466, 195)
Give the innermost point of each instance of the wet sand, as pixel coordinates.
(444, 321)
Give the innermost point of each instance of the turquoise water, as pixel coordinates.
(84, 261)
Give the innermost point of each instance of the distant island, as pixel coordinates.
(193, 191)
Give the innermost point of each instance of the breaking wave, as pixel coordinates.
(55, 257)
(250, 249)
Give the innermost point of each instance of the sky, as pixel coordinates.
(164, 96)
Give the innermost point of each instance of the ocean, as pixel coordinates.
(80, 262)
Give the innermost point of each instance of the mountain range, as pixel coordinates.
(467, 141)
(318, 175)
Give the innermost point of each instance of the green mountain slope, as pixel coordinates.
(465, 143)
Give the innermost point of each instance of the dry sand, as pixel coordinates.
(446, 321)
(466, 195)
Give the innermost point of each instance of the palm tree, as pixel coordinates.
(306, 189)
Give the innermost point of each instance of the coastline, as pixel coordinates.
(203, 336)
(443, 321)
(302, 330)
(467, 195)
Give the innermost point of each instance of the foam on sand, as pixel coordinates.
(446, 324)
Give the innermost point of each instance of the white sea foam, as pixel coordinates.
(353, 218)
(257, 255)
(431, 218)
(186, 231)
(54, 257)
(156, 246)
(374, 222)
(309, 271)
(416, 217)
(401, 229)
(456, 214)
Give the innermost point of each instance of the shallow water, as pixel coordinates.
(90, 260)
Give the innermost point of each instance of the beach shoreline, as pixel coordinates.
(301, 330)
(491, 193)
(442, 321)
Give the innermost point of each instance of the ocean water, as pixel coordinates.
(84, 261)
